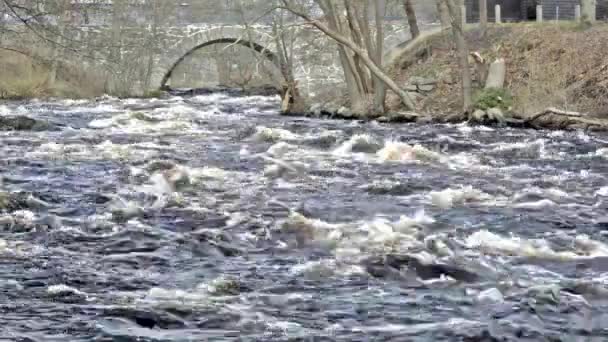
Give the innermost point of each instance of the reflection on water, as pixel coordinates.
(213, 218)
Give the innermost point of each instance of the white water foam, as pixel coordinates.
(448, 198)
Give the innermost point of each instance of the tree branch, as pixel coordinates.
(407, 102)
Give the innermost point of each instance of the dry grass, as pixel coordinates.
(548, 65)
(21, 77)
(24, 78)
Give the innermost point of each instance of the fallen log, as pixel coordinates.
(553, 118)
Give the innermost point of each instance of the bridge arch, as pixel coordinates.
(265, 52)
(257, 40)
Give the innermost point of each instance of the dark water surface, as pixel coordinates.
(212, 218)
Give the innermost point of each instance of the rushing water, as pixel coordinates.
(213, 218)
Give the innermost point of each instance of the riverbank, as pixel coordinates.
(550, 83)
(551, 65)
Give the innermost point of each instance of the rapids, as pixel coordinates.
(213, 218)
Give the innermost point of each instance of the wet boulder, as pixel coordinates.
(602, 223)
(492, 116)
(23, 123)
(146, 318)
(66, 294)
(12, 201)
(390, 266)
(490, 296)
(399, 117)
(496, 115)
(227, 286)
(478, 116)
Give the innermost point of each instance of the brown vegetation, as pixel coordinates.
(24, 77)
(551, 65)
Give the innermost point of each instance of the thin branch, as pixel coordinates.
(375, 69)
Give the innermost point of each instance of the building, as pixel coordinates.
(525, 10)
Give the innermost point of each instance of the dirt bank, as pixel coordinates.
(554, 65)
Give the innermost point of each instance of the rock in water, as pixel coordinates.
(22, 123)
(496, 115)
(478, 116)
(12, 201)
(492, 295)
(390, 266)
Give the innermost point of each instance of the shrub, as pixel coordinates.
(493, 98)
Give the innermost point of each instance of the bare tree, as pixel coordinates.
(349, 26)
(63, 8)
(483, 16)
(379, 87)
(444, 14)
(463, 54)
(412, 21)
(284, 43)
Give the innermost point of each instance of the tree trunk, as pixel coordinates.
(157, 15)
(356, 24)
(354, 86)
(444, 14)
(292, 99)
(411, 18)
(588, 11)
(223, 69)
(379, 88)
(115, 48)
(332, 30)
(463, 54)
(118, 9)
(57, 49)
(496, 74)
(483, 16)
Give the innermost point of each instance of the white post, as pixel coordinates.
(539, 13)
(497, 14)
(556, 14)
(577, 13)
(463, 16)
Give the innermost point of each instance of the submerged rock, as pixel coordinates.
(23, 123)
(226, 286)
(478, 115)
(496, 115)
(390, 267)
(492, 295)
(399, 117)
(145, 117)
(12, 201)
(492, 116)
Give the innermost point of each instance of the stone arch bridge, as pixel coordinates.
(313, 67)
(257, 38)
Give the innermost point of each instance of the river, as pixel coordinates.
(212, 218)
